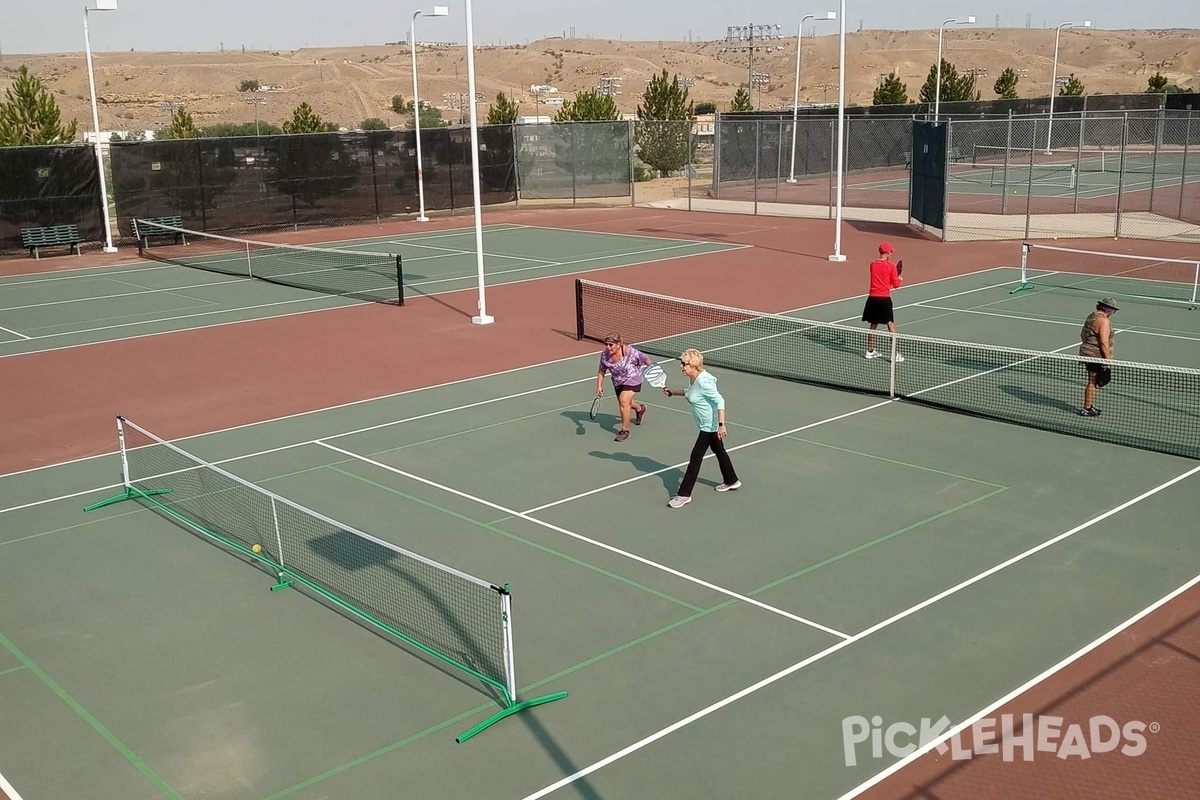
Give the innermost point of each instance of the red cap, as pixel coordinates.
(886, 248)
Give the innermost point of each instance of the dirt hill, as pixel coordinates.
(348, 84)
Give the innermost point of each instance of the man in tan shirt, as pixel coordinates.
(1096, 341)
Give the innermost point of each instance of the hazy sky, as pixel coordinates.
(39, 26)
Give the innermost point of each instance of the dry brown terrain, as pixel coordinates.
(348, 84)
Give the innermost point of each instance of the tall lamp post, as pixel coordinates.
(256, 102)
(101, 5)
(837, 254)
(438, 11)
(482, 318)
(937, 89)
(1087, 23)
(796, 91)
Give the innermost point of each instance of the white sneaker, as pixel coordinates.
(899, 358)
(872, 354)
(679, 501)
(729, 487)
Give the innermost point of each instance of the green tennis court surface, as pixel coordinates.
(62, 309)
(1049, 179)
(882, 559)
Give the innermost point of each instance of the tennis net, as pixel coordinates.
(1162, 159)
(1146, 406)
(1174, 280)
(456, 618)
(373, 277)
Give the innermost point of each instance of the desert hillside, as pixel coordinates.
(348, 84)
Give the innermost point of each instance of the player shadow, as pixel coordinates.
(1037, 398)
(609, 423)
(669, 474)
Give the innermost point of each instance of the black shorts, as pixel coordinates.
(878, 311)
(624, 388)
(1094, 368)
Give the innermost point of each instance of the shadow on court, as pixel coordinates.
(668, 474)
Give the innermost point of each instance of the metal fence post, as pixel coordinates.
(1187, 140)
(757, 149)
(1121, 174)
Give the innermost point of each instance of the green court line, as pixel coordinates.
(880, 540)
(848, 451)
(483, 708)
(11, 670)
(492, 528)
(91, 720)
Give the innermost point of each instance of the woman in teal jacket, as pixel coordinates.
(708, 410)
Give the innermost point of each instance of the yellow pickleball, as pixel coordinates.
(257, 548)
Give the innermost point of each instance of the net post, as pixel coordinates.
(127, 490)
(1024, 282)
(578, 309)
(399, 280)
(1195, 285)
(510, 667)
(249, 265)
(280, 583)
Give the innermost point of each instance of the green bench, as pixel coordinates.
(143, 235)
(50, 236)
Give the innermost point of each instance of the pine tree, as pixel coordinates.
(182, 126)
(891, 92)
(30, 115)
(503, 111)
(1072, 88)
(588, 106)
(664, 131)
(1006, 85)
(304, 120)
(741, 100)
(954, 86)
(1157, 84)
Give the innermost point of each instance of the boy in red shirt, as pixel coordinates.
(885, 276)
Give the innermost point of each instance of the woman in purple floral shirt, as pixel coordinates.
(625, 364)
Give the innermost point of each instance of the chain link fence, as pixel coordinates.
(1133, 174)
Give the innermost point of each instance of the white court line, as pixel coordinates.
(68, 274)
(610, 233)
(887, 623)
(141, 291)
(351, 404)
(395, 394)
(8, 789)
(1015, 693)
(643, 475)
(14, 333)
(556, 264)
(1054, 321)
(486, 253)
(602, 545)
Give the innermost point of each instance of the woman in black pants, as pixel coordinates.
(708, 410)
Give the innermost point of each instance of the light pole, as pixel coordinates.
(1087, 23)
(438, 11)
(482, 318)
(837, 254)
(101, 5)
(796, 91)
(937, 89)
(749, 34)
(256, 102)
